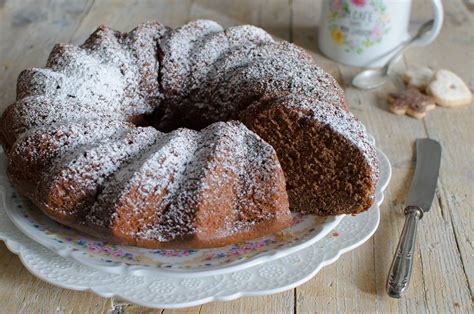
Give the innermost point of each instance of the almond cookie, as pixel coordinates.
(411, 102)
(418, 78)
(449, 90)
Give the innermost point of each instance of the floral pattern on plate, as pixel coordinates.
(304, 232)
(68, 241)
(160, 291)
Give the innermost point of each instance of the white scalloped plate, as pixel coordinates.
(113, 258)
(119, 259)
(305, 231)
(157, 291)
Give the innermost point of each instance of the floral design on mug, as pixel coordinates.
(338, 36)
(359, 3)
(356, 38)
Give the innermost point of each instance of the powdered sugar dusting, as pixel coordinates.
(154, 176)
(137, 184)
(177, 48)
(342, 122)
(228, 158)
(143, 42)
(90, 79)
(45, 143)
(37, 111)
(218, 44)
(272, 68)
(112, 75)
(75, 180)
(203, 66)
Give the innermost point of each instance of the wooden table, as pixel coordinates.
(443, 268)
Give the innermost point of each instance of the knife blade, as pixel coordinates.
(420, 197)
(423, 186)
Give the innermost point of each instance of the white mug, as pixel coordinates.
(366, 33)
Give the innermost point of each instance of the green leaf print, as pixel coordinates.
(345, 7)
(367, 43)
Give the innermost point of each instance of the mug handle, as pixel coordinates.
(438, 23)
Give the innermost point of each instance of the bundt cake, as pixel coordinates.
(191, 137)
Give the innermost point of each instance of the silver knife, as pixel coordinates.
(420, 197)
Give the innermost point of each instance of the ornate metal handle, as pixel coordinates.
(400, 271)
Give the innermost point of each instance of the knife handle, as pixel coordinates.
(402, 264)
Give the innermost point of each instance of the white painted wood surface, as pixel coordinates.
(443, 271)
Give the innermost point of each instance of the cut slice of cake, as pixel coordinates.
(330, 165)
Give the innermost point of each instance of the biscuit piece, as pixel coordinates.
(411, 102)
(449, 90)
(418, 78)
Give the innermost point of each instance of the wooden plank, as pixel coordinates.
(446, 235)
(304, 18)
(28, 30)
(227, 13)
(21, 292)
(124, 15)
(276, 303)
(443, 270)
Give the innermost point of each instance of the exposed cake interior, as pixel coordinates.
(327, 173)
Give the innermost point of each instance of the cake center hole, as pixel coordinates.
(166, 121)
